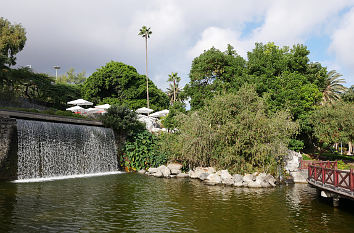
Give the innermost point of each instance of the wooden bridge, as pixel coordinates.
(331, 182)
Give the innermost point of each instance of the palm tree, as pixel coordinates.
(173, 77)
(333, 87)
(145, 33)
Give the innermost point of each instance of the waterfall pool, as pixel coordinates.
(136, 203)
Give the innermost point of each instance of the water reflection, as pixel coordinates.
(136, 203)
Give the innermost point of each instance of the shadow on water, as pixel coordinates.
(136, 203)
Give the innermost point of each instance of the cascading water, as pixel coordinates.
(47, 149)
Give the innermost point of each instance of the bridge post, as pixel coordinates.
(335, 178)
(351, 179)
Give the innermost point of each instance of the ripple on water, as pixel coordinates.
(136, 203)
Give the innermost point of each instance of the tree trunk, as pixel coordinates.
(350, 148)
(174, 91)
(147, 79)
(336, 146)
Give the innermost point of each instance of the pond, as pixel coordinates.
(137, 203)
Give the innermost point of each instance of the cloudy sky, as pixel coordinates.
(86, 34)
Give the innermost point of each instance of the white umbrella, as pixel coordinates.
(80, 102)
(75, 109)
(160, 113)
(104, 106)
(144, 110)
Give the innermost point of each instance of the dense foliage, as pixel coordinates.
(142, 152)
(118, 83)
(123, 121)
(334, 123)
(233, 131)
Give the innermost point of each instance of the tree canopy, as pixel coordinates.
(118, 83)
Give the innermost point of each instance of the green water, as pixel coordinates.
(136, 203)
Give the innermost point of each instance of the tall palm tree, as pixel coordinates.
(333, 87)
(145, 33)
(173, 77)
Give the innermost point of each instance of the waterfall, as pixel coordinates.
(47, 149)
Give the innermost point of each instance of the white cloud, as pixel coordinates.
(342, 45)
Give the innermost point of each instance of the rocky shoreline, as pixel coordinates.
(209, 176)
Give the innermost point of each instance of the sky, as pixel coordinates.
(86, 34)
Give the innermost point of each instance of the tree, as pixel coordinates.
(118, 83)
(334, 87)
(145, 33)
(348, 96)
(173, 77)
(334, 123)
(12, 41)
(233, 131)
(213, 72)
(71, 77)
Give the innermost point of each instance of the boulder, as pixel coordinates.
(238, 183)
(265, 184)
(174, 166)
(182, 175)
(238, 180)
(229, 181)
(224, 174)
(164, 170)
(270, 180)
(260, 178)
(292, 161)
(142, 171)
(254, 184)
(157, 174)
(247, 178)
(213, 179)
(203, 176)
(152, 170)
(172, 176)
(175, 171)
(199, 170)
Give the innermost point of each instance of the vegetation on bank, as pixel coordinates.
(244, 113)
(50, 111)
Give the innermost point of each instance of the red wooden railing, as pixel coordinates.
(326, 172)
(304, 164)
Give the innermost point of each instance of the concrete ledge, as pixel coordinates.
(46, 117)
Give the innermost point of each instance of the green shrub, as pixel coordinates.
(142, 153)
(296, 145)
(234, 132)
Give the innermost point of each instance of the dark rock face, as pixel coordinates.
(8, 148)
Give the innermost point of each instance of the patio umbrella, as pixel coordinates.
(104, 106)
(80, 102)
(160, 113)
(144, 110)
(75, 109)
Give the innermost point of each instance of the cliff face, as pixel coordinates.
(8, 148)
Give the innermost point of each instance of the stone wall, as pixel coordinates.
(8, 148)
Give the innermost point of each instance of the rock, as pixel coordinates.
(199, 170)
(247, 178)
(142, 171)
(203, 176)
(175, 171)
(260, 178)
(152, 170)
(265, 184)
(237, 178)
(172, 176)
(158, 174)
(254, 184)
(229, 181)
(292, 161)
(270, 179)
(164, 170)
(238, 183)
(213, 179)
(225, 175)
(182, 175)
(174, 166)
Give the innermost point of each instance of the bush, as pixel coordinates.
(296, 145)
(142, 152)
(123, 121)
(234, 132)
